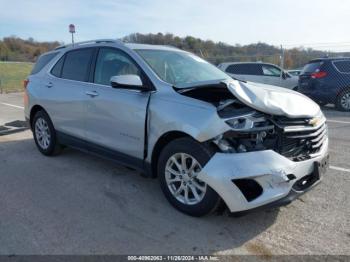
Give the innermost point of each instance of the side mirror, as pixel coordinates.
(126, 81)
(284, 75)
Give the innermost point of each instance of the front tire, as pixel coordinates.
(343, 101)
(178, 166)
(45, 135)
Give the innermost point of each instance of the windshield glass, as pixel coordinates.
(180, 68)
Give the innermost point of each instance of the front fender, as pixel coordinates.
(196, 118)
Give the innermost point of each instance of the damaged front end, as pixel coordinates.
(263, 156)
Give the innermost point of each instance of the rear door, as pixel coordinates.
(116, 117)
(66, 89)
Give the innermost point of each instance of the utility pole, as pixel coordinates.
(72, 31)
(282, 61)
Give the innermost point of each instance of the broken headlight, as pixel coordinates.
(250, 122)
(248, 133)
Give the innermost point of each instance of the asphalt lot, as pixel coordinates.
(80, 204)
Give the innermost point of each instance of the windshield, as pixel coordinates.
(180, 68)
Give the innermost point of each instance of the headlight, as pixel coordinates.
(249, 122)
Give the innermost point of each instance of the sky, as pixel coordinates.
(321, 24)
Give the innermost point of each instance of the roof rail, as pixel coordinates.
(97, 41)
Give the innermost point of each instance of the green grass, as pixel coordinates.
(12, 76)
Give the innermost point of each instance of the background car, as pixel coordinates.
(260, 73)
(327, 80)
(294, 72)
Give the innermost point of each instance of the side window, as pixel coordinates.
(112, 62)
(43, 61)
(244, 69)
(342, 66)
(233, 69)
(77, 64)
(254, 69)
(57, 69)
(269, 70)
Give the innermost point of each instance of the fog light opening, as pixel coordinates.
(249, 188)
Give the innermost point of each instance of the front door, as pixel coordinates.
(271, 75)
(116, 117)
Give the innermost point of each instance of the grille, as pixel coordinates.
(299, 140)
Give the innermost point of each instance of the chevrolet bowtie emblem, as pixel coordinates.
(314, 121)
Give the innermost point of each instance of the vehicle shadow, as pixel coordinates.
(76, 203)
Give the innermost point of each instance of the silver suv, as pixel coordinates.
(210, 140)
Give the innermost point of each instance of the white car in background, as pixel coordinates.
(294, 72)
(258, 72)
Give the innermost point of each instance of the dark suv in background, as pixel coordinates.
(327, 80)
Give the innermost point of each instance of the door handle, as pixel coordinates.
(49, 85)
(92, 93)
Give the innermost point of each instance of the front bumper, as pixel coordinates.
(269, 169)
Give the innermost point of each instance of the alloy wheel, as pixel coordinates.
(181, 172)
(42, 133)
(345, 101)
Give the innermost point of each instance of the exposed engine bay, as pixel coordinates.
(251, 130)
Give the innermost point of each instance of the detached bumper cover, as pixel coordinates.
(268, 168)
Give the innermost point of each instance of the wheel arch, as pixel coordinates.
(337, 98)
(160, 144)
(33, 111)
(342, 90)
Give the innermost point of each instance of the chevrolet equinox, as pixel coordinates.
(210, 139)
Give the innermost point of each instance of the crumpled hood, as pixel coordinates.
(273, 100)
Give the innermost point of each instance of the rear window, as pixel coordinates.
(76, 64)
(43, 61)
(57, 69)
(342, 66)
(244, 69)
(311, 67)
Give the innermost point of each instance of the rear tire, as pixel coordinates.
(45, 134)
(343, 101)
(185, 157)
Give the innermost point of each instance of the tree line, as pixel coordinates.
(17, 49)
(218, 52)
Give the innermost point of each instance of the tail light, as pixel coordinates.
(319, 74)
(25, 83)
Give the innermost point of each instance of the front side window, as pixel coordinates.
(76, 64)
(269, 70)
(181, 68)
(113, 62)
